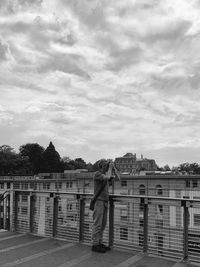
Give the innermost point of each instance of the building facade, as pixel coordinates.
(130, 164)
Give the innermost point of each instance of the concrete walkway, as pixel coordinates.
(28, 250)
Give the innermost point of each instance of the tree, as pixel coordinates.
(95, 165)
(51, 159)
(166, 168)
(190, 168)
(79, 163)
(34, 152)
(90, 167)
(7, 149)
(12, 163)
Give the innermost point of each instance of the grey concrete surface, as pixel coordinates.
(28, 250)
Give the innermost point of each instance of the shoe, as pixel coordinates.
(98, 248)
(107, 248)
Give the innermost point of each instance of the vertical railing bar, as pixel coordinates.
(32, 198)
(185, 229)
(8, 226)
(0, 213)
(111, 221)
(81, 217)
(4, 211)
(55, 215)
(145, 233)
(16, 194)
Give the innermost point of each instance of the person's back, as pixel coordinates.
(101, 194)
(99, 181)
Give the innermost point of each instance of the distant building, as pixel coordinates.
(129, 163)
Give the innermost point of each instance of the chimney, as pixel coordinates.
(141, 156)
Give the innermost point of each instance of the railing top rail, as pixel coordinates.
(114, 196)
(89, 175)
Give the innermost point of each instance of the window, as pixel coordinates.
(58, 185)
(24, 210)
(48, 210)
(141, 239)
(69, 184)
(60, 220)
(160, 209)
(31, 185)
(16, 186)
(196, 219)
(123, 183)
(159, 223)
(124, 214)
(69, 206)
(46, 185)
(141, 207)
(2, 185)
(24, 198)
(159, 190)
(50, 222)
(142, 189)
(86, 184)
(194, 183)
(123, 233)
(141, 222)
(187, 183)
(24, 186)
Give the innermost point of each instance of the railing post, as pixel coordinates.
(11, 208)
(55, 214)
(32, 204)
(111, 221)
(16, 194)
(8, 212)
(145, 233)
(4, 211)
(81, 217)
(185, 205)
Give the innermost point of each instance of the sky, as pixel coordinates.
(102, 78)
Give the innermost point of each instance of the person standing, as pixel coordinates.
(101, 194)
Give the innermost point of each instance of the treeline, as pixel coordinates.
(33, 159)
(184, 168)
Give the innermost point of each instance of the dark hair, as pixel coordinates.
(102, 163)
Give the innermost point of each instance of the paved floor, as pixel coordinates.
(28, 250)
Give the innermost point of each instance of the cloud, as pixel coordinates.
(89, 12)
(67, 63)
(101, 78)
(4, 51)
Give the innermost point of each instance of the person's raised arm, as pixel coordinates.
(115, 171)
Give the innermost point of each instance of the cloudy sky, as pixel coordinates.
(100, 78)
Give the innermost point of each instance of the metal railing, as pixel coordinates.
(151, 224)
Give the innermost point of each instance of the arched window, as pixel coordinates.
(159, 190)
(142, 190)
